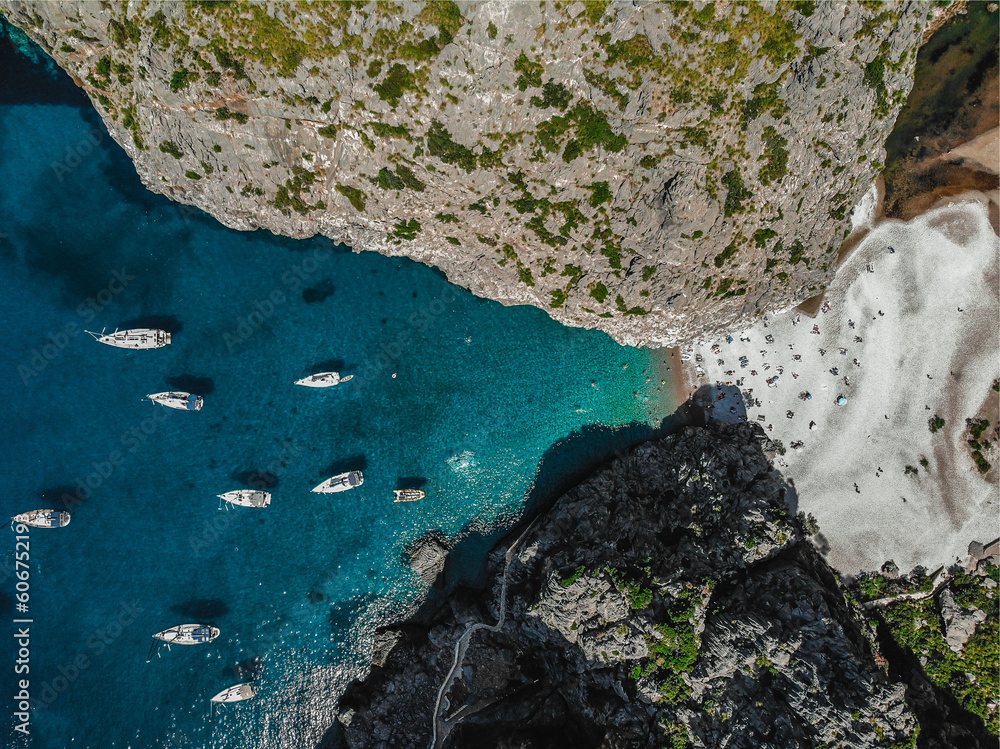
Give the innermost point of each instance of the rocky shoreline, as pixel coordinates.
(669, 598)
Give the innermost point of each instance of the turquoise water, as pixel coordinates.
(482, 396)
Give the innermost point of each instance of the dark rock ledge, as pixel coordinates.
(669, 600)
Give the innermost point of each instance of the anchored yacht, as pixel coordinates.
(43, 518)
(340, 483)
(407, 495)
(323, 380)
(247, 498)
(180, 401)
(188, 634)
(136, 338)
(236, 693)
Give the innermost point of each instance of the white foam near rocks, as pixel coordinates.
(924, 341)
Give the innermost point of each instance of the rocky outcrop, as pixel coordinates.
(668, 600)
(658, 171)
(427, 557)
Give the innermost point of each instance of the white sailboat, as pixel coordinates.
(323, 380)
(178, 400)
(236, 693)
(43, 518)
(340, 483)
(188, 634)
(136, 338)
(247, 498)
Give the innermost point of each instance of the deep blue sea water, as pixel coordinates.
(490, 408)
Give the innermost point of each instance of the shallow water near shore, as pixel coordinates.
(454, 394)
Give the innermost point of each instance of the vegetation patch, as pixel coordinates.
(530, 72)
(401, 179)
(168, 146)
(775, 157)
(590, 129)
(764, 99)
(405, 230)
(970, 674)
(626, 310)
(553, 95)
(396, 83)
(737, 193)
(726, 255)
(384, 130)
(761, 237)
(607, 86)
(353, 194)
(599, 291)
(225, 113)
(182, 78)
(673, 650)
(440, 145)
(289, 195)
(600, 193)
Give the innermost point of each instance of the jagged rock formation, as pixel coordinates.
(427, 557)
(667, 601)
(658, 171)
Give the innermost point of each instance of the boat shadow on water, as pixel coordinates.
(169, 323)
(329, 365)
(192, 384)
(411, 482)
(351, 463)
(201, 609)
(63, 497)
(255, 479)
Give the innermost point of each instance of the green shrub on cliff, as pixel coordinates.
(353, 194)
(396, 83)
(168, 146)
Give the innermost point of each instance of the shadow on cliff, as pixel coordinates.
(526, 701)
(564, 464)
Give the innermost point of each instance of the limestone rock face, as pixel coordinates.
(659, 172)
(667, 600)
(959, 622)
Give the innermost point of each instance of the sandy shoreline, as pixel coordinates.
(902, 335)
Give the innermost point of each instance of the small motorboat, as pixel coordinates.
(407, 495)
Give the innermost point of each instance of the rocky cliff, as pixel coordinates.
(655, 170)
(667, 601)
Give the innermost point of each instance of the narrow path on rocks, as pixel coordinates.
(442, 727)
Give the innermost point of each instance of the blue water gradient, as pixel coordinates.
(482, 396)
